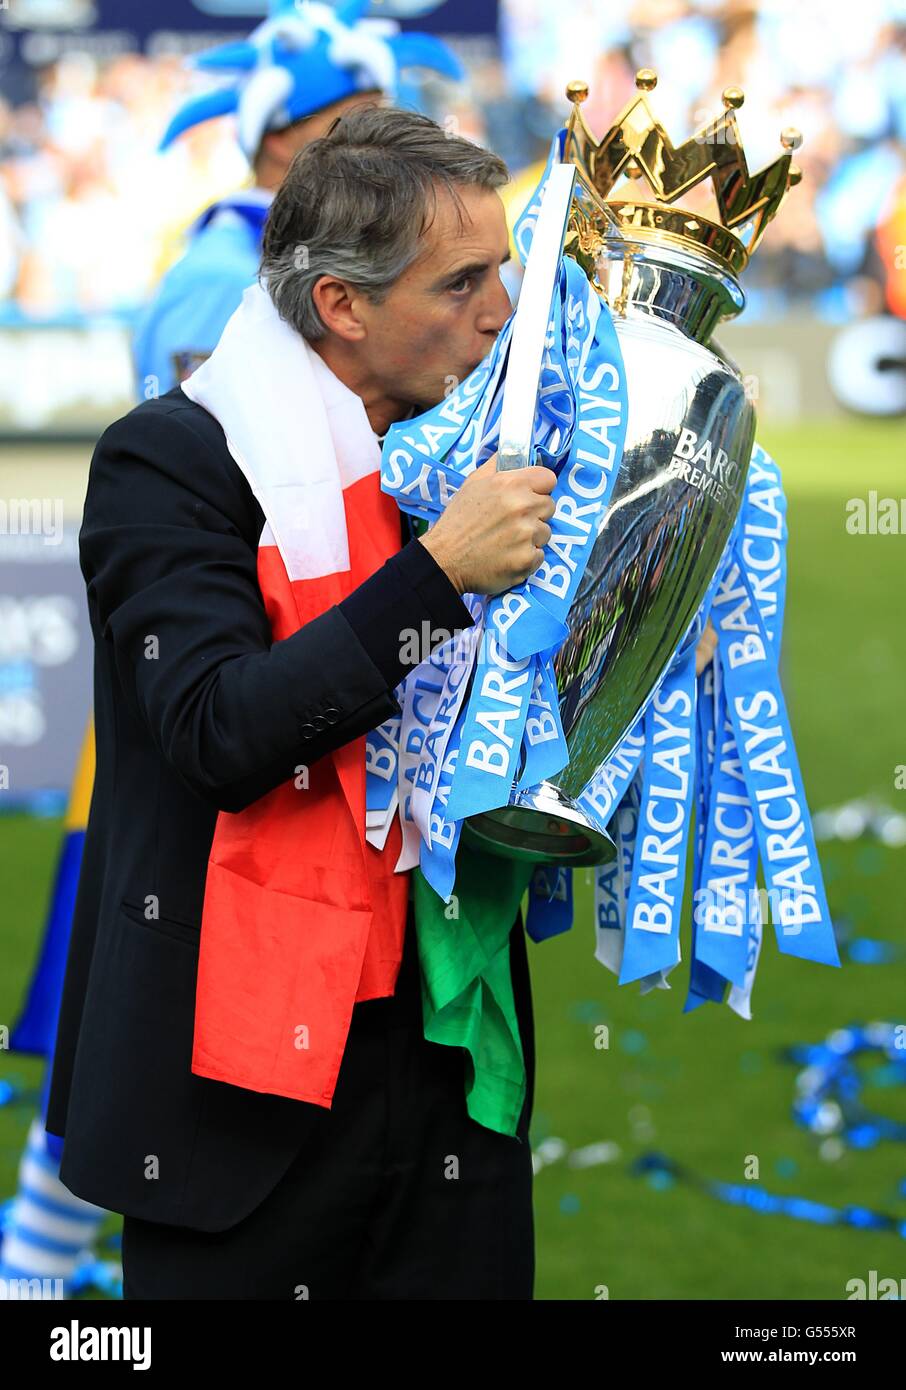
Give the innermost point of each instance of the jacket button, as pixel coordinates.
(307, 730)
(331, 715)
(320, 722)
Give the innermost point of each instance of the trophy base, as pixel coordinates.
(542, 826)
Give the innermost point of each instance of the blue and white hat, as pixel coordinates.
(307, 55)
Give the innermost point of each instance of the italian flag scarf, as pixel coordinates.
(303, 915)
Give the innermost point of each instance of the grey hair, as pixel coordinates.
(355, 203)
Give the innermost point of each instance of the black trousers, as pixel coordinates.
(396, 1194)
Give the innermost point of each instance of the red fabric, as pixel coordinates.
(302, 916)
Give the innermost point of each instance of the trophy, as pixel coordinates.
(669, 277)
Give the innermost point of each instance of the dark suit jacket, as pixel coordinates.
(218, 718)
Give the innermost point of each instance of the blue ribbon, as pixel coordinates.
(771, 771)
(550, 904)
(658, 871)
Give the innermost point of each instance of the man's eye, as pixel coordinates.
(461, 286)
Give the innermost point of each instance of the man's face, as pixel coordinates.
(443, 314)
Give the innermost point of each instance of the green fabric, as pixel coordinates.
(467, 989)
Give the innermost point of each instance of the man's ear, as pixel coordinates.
(337, 303)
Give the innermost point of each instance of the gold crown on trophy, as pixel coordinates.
(638, 146)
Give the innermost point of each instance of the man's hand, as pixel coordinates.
(493, 532)
(707, 646)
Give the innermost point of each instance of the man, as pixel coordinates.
(304, 66)
(387, 1188)
(296, 72)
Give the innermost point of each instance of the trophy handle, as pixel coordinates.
(520, 393)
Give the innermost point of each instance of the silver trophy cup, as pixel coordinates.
(690, 430)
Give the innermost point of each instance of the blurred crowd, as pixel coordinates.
(91, 214)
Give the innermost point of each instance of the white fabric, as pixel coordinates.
(297, 433)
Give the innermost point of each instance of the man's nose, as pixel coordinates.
(495, 313)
